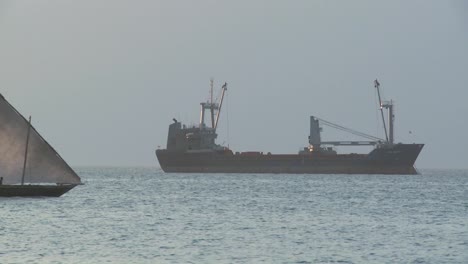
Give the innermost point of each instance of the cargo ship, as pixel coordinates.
(192, 149)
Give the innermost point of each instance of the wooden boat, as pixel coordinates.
(29, 165)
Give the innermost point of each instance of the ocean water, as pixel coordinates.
(142, 215)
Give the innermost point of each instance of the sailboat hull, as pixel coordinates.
(34, 190)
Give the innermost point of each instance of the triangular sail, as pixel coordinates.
(43, 165)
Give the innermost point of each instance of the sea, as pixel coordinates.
(143, 215)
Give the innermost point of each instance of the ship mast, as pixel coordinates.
(391, 117)
(214, 107)
(211, 104)
(26, 151)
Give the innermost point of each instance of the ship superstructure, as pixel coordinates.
(202, 137)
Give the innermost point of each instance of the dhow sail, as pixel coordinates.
(43, 163)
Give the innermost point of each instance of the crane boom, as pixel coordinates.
(224, 88)
(377, 86)
(391, 117)
(349, 130)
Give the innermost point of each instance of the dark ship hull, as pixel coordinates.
(34, 190)
(392, 159)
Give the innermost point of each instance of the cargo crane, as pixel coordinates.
(391, 117)
(315, 129)
(213, 107)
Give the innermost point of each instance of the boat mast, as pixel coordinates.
(213, 107)
(26, 151)
(208, 105)
(377, 86)
(391, 119)
(211, 104)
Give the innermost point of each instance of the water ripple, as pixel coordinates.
(141, 215)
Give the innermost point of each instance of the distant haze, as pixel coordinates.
(103, 79)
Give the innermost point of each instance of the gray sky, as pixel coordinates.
(103, 79)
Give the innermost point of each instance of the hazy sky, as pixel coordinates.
(103, 79)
